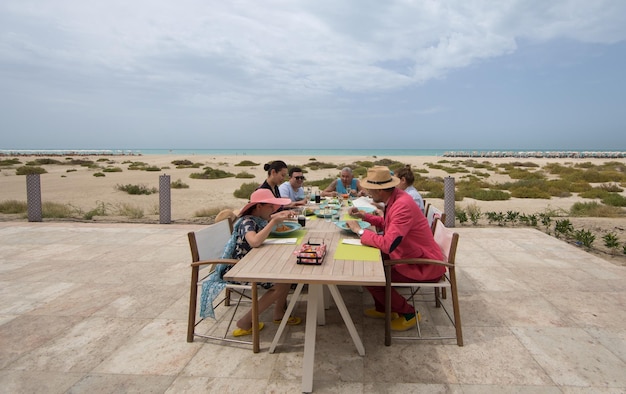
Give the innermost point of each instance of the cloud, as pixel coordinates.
(262, 56)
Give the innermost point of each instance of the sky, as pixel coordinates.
(363, 74)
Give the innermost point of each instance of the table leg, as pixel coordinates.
(326, 298)
(283, 323)
(321, 306)
(347, 319)
(308, 361)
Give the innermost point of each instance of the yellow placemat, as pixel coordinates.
(355, 252)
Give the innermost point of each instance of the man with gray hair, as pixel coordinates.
(345, 184)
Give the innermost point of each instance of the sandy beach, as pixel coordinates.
(77, 186)
(85, 192)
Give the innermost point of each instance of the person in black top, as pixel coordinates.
(276, 174)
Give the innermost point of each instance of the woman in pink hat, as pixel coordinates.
(254, 225)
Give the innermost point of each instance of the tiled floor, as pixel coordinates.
(102, 308)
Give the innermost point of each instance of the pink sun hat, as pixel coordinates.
(263, 196)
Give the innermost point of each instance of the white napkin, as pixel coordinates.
(349, 241)
(280, 241)
(362, 202)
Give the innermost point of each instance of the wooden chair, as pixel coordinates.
(447, 241)
(207, 246)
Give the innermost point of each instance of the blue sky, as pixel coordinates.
(319, 74)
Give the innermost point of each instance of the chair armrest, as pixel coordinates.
(214, 261)
(416, 261)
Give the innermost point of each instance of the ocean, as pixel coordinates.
(477, 153)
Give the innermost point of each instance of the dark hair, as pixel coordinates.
(406, 173)
(294, 169)
(276, 165)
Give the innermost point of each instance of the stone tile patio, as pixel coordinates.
(102, 308)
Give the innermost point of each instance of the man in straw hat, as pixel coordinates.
(406, 234)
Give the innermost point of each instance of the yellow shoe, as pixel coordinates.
(240, 332)
(373, 313)
(292, 321)
(402, 324)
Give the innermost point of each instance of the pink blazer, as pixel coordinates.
(403, 218)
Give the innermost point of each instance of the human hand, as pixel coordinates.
(353, 225)
(354, 211)
(279, 217)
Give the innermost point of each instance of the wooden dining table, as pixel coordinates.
(278, 263)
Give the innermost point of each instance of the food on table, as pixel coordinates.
(282, 228)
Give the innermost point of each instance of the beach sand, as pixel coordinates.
(85, 192)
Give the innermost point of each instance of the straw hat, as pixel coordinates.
(379, 177)
(263, 196)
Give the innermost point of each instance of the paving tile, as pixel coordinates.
(570, 356)
(103, 308)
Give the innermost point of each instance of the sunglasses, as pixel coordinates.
(300, 178)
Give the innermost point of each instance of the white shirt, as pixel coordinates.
(416, 196)
(286, 191)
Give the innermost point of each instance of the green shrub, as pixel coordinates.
(611, 187)
(488, 195)
(9, 162)
(529, 192)
(182, 163)
(71, 170)
(563, 227)
(579, 187)
(615, 200)
(529, 220)
(137, 165)
(29, 170)
(152, 168)
(495, 217)
(461, 216)
(518, 173)
(594, 193)
(245, 190)
(13, 206)
(246, 163)
(43, 161)
(320, 183)
(81, 162)
(179, 184)
(99, 210)
(112, 169)
(318, 165)
(186, 164)
(585, 237)
(98, 174)
(365, 163)
(211, 173)
(137, 189)
(611, 241)
(245, 175)
(474, 213)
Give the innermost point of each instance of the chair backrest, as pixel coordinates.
(225, 214)
(433, 213)
(209, 242)
(446, 239)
